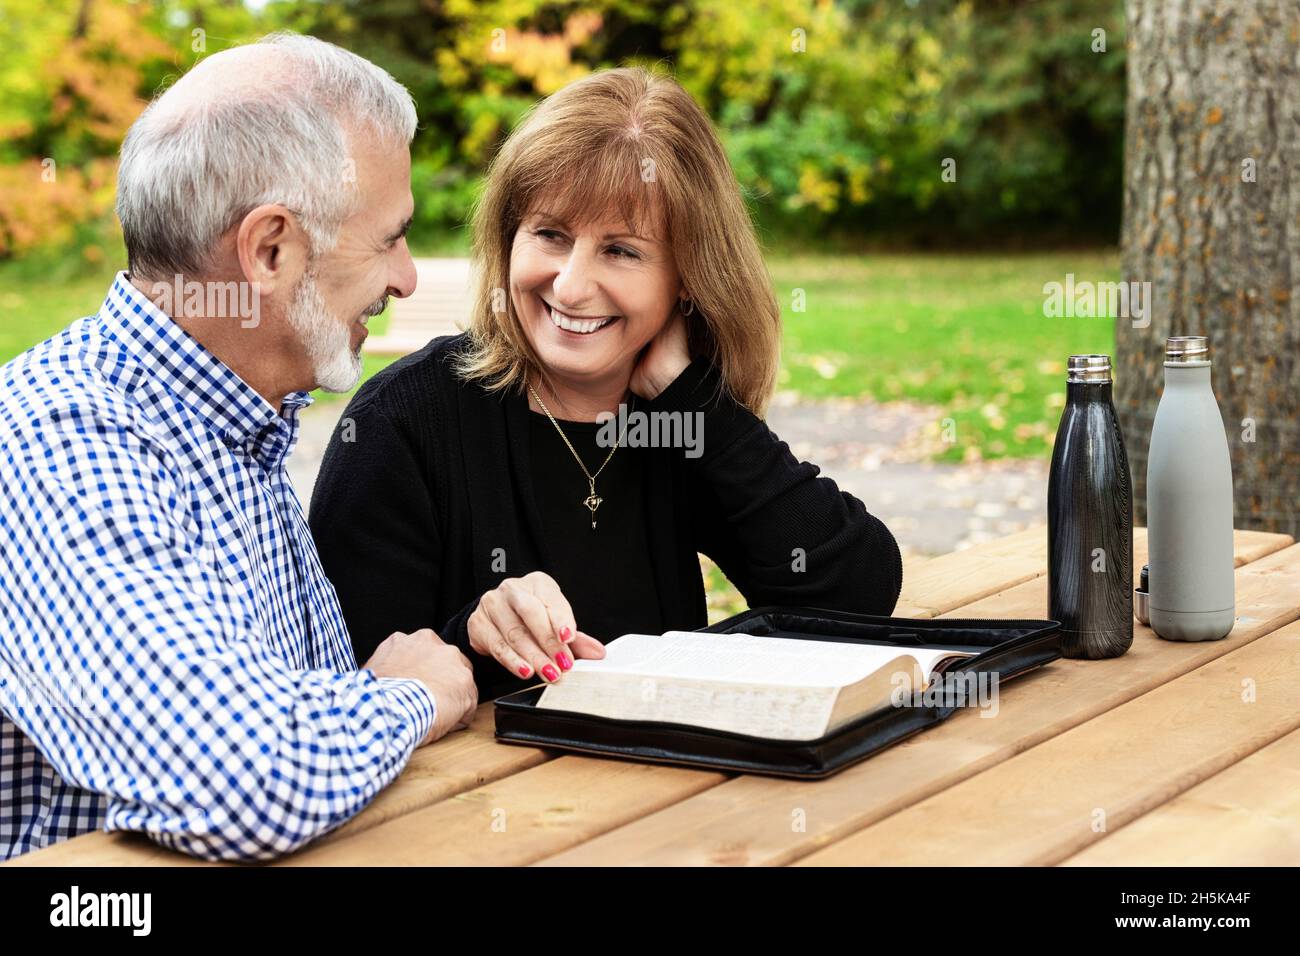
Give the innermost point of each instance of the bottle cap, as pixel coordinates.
(1091, 369)
(1142, 597)
(1187, 350)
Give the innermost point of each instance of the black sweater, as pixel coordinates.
(606, 573)
(425, 501)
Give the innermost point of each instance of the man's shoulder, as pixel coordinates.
(64, 369)
(67, 391)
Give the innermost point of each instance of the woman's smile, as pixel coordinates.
(577, 324)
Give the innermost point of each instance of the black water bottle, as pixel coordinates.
(1090, 519)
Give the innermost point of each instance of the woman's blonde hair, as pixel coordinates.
(633, 142)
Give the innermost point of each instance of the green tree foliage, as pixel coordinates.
(68, 82)
(838, 116)
(1036, 118)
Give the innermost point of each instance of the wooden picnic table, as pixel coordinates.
(1175, 753)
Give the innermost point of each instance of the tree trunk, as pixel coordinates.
(1212, 221)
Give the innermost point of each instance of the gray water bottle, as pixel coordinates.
(1189, 503)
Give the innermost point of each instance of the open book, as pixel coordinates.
(774, 687)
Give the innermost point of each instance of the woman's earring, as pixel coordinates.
(690, 307)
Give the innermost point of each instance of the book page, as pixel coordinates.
(748, 659)
(780, 712)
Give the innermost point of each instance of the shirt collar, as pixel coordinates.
(176, 366)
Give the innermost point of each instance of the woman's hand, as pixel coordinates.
(527, 626)
(662, 360)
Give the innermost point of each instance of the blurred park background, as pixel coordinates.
(918, 170)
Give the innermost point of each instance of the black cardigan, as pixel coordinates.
(428, 475)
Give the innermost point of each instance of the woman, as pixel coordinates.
(483, 494)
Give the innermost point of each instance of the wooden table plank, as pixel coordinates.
(756, 820)
(106, 849)
(459, 762)
(1053, 800)
(942, 584)
(1247, 815)
(518, 819)
(951, 580)
(1247, 546)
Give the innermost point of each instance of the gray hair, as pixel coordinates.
(188, 174)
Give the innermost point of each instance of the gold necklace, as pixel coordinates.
(593, 500)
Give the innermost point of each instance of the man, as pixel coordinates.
(172, 658)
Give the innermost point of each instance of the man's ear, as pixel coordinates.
(272, 247)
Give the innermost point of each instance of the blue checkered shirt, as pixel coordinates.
(173, 659)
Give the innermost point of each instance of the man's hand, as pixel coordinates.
(440, 667)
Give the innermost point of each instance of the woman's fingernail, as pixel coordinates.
(566, 634)
(524, 670)
(549, 673)
(563, 660)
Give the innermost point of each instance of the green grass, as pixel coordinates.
(38, 300)
(964, 333)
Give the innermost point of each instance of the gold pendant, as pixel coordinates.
(592, 501)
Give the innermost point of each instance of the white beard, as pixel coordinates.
(328, 343)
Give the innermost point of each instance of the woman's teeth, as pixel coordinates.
(569, 324)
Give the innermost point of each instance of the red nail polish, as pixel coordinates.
(563, 660)
(549, 673)
(566, 635)
(524, 670)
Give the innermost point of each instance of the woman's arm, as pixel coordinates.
(782, 534)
